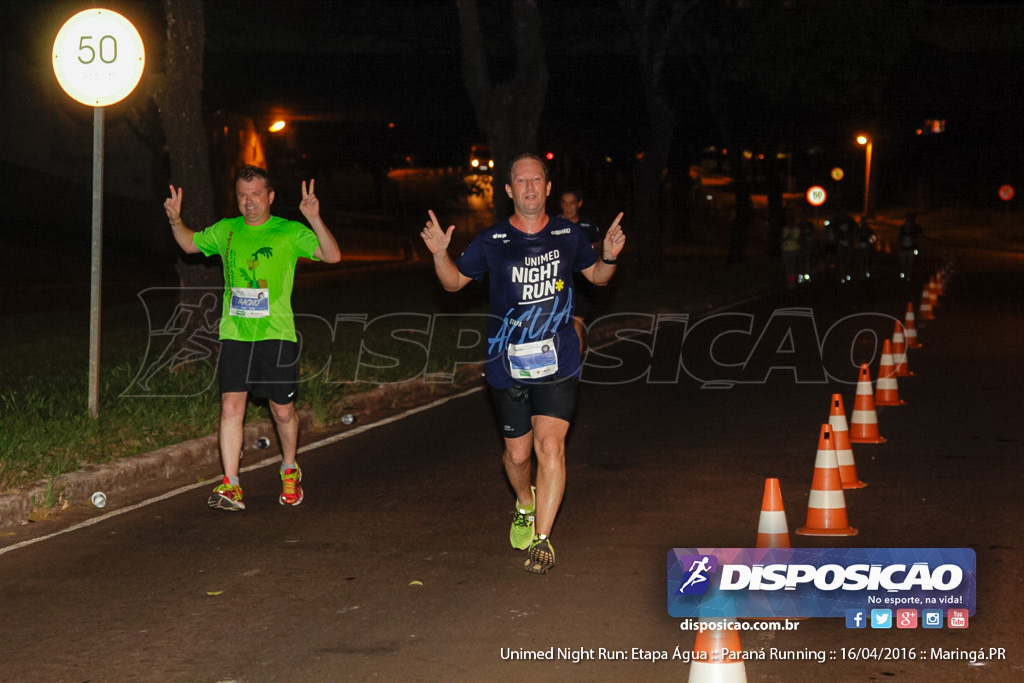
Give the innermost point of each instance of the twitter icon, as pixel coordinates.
(881, 618)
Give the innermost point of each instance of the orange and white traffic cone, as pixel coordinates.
(717, 654)
(887, 391)
(864, 419)
(826, 507)
(844, 451)
(909, 328)
(899, 351)
(772, 530)
(926, 304)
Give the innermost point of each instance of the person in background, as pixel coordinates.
(790, 248)
(586, 293)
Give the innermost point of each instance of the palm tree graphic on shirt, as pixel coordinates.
(253, 262)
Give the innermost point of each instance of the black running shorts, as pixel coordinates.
(265, 369)
(517, 404)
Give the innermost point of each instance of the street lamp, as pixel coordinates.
(866, 141)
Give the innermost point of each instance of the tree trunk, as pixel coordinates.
(509, 112)
(181, 114)
(776, 203)
(647, 183)
(654, 26)
(744, 208)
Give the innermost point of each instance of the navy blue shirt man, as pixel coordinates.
(534, 357)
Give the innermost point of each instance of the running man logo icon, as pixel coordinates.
(695, 582)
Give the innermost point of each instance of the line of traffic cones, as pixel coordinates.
(834, 471)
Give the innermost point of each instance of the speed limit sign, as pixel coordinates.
(816, 195)
(98, 57)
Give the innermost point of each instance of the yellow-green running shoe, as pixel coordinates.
(227, 497)
(291, 491)
(542, 556)
(521, 533)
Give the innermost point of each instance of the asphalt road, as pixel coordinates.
(397, 565)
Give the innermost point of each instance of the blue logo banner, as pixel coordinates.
(817, 582)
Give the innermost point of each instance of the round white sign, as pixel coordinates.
(98, 57)
(816, 195)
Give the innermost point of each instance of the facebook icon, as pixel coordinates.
(856, 618)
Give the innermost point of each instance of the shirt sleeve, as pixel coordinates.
(208, 240)
(306, 241)
(473, 262)
(585, 254)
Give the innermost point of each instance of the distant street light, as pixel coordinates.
(866, 141)
(277, 126)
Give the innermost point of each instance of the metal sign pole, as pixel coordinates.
(97, 262)
(98, 59)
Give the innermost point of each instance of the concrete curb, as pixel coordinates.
(196, 455)
(124, 474)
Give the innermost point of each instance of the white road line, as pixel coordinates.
(273, 460)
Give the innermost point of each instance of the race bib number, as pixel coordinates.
(533, 360)
(249, 303)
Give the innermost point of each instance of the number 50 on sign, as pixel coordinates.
(98, 57)
(816, 195)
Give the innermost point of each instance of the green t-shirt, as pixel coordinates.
(259, 272)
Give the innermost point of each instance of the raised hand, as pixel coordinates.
(310, 205)
(172, 206)
(436, 239)
(614, 239)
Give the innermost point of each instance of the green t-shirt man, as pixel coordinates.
(259, 273)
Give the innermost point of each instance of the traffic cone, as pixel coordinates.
(772, 530)
(909, 328)
(826, 507)
(899, 351)
(864, 420)
(887, 391)
(844, 451)
(717, 654)
(926, 304)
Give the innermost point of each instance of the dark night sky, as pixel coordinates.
(358, 64)
(399, 60)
